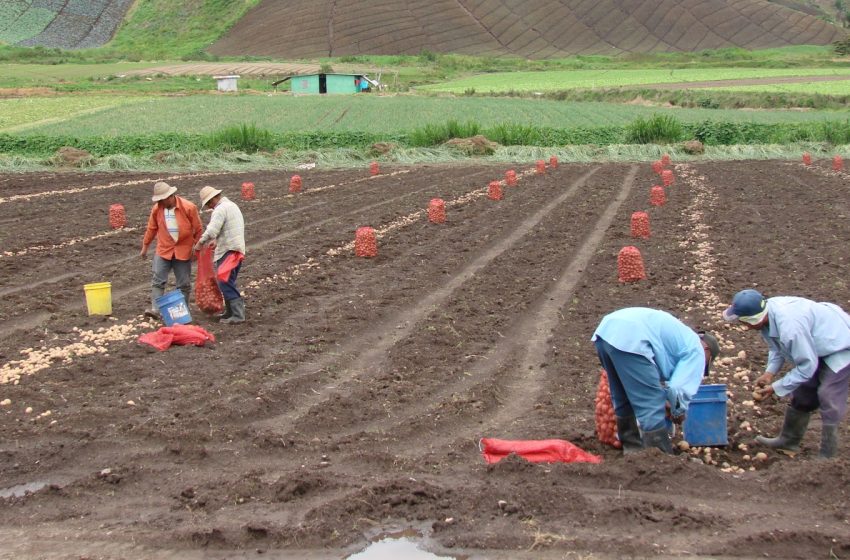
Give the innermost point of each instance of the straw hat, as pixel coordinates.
(162, 190)
(207, 193)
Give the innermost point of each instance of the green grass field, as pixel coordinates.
(575, 79)
(18, 112)
(841, 87)
(366, 113)
(33, 75)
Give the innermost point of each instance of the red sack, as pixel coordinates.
(230, 262)
(606, 422)
(536, 451)
(207, 295)
(182, 335)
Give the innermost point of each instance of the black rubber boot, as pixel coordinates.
(237, 312)
(793, 428)
(659, 438)
(828, 442)
(227, 312)
(629, 434)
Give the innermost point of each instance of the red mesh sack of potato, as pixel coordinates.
(665, 160)
(541, 167)
(837, 163)
(553, 162)
(117, 216)
(365, 242)
(807, 158)
(437, 211)
(510, 178)
(667, 177)
(606, 422)
(657, 196)
(295, 184)
(208, 297)
(494, 190)
(248, 192)
(374, 168)
(640, 225)
(630, 265)
(657, 166)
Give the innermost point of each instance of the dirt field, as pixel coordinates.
(528, 29)
(353, 400)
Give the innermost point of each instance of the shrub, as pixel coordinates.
(658, 129)
(513, 134)
(245, 138)
(836, 133)
(436, 134)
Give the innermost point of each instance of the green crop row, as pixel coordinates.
(249, 138)
(607, 78)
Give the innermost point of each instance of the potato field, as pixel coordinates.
(352, 401)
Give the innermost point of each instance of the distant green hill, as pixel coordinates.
(175, 28)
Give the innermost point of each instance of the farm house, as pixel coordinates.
(329, 83)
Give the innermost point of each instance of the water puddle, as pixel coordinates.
(400, 544)
(22, 490)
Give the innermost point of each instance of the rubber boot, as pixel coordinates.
(828, 442)
(629, 434)
(659, 438)
(228, 312)
(793, 428)
(237, 312)
(153, 312)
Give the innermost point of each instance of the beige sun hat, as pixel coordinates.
(207, 193)
(162, 190)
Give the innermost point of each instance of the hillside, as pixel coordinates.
(60, 23)
(526, 28)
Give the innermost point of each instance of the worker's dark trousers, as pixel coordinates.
(635, 386)
(826, 390)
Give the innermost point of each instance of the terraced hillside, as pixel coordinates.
(527, 28)
(67, 24)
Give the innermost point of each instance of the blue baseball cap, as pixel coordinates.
(748, 306)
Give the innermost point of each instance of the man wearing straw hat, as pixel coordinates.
(226, 233)
(176, 225)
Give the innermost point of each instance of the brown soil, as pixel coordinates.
(354, 397)
(531, 28)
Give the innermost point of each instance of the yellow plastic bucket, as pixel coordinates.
(99, 298)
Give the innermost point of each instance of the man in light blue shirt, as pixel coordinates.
(655, 363)
(815, 338)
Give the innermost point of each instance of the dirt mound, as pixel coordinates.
(531, 29)
(68, 156)
(474, 146)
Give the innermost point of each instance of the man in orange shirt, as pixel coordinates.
(176, 225)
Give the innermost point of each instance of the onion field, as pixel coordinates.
(283, 113)
(587, 79)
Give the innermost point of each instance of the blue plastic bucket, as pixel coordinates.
(705, 423)
(173, 308)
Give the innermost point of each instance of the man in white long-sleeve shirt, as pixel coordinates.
(815, 338)
(227, 231)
